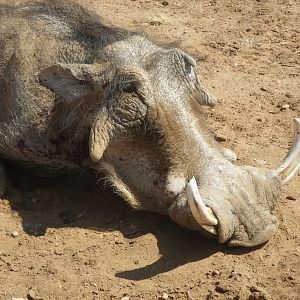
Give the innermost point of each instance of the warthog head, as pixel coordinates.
(147, 131)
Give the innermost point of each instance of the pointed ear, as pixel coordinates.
(71, 81)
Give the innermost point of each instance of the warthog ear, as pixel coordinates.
(72, 81)
(190, 63)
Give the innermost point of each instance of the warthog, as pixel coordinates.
(75, 93)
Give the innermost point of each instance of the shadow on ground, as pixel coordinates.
(75, 200)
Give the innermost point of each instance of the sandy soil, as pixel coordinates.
(71, 239)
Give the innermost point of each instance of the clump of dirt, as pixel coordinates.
(72, 239)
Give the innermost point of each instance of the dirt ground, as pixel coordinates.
(70, 238)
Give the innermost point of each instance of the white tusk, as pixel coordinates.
(210, 229)
(202, 214)
(291, 163)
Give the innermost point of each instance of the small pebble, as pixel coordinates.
(16, 298)
(91, 262)
(33, 295)
(15, 233)
(219, 138)
(125, 297)
(222, 289)
(15, 214)
(254, 289)
(291, 198)
(215, 272)
(258, 296)
(165, 3)
(288, 95)
(164, 296)
(285, 106)
(119, 242)
(57, 252)
(155, 23)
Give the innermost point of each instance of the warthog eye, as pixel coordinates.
(128, 87)
(188, 68)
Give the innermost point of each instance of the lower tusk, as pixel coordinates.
(210, 229)
(291, 163)
(202, 214)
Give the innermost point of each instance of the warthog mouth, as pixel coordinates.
(204, 215)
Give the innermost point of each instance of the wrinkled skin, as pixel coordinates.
(77, 94)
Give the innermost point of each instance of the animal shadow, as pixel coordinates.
(76, 200)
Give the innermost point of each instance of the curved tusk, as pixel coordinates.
(210, 229)
(202, 214)
(291, 163)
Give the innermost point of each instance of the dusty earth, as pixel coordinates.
(70, 238)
